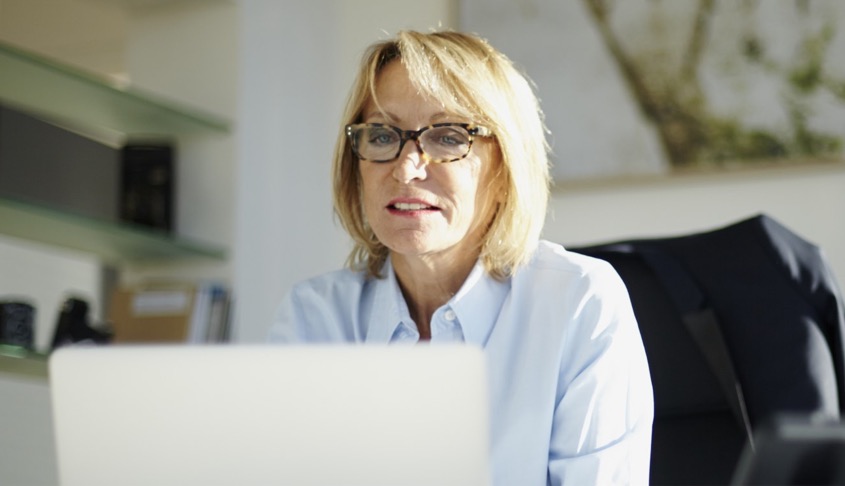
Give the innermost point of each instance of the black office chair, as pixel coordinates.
(740, 324)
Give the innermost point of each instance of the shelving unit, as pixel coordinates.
(100, 109)
(96, 107)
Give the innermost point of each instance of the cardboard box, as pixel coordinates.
(150, 314)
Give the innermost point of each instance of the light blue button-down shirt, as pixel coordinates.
(571, 396)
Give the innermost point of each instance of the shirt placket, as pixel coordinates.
(445, 326)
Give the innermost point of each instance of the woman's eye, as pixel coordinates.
(381, 137)
(452, 137)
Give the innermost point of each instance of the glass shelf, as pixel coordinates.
(113, 242)
(86, 102)
(19, 362)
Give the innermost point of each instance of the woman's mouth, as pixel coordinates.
(411, 206)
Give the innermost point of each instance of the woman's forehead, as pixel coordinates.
(394, 95)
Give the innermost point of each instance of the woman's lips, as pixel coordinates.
(399, 206)
(410, 206)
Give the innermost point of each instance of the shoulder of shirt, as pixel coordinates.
(556, 272)
(330, 282)
(554, 257)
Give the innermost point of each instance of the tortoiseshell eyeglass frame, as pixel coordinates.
(405, 135)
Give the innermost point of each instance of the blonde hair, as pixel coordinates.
(473, 80)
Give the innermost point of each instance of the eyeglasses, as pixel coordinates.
(441, 142)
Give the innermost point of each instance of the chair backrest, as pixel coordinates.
(780, 313)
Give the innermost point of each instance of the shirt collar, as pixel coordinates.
(477, 305)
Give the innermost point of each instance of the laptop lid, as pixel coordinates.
(288, 415)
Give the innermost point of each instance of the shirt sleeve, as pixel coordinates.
(601, 432)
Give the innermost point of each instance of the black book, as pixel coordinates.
(147, 182)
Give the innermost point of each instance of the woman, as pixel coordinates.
(441, 178)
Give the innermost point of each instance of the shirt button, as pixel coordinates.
(449, 315)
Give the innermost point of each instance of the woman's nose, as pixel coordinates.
(410, 164)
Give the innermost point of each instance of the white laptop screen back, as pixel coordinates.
(288, 415)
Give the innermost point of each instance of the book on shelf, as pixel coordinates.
(192, 313)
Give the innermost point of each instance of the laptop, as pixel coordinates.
(261, 415)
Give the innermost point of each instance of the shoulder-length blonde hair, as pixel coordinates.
(473, 80)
